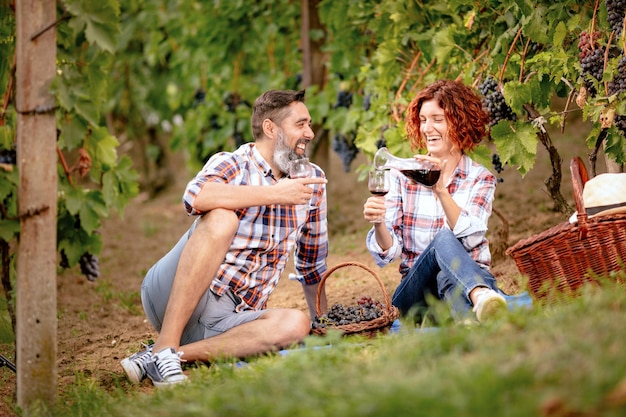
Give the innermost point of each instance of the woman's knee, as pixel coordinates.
(444, 237)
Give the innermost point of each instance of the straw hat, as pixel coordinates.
(604, 194)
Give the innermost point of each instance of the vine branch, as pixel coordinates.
(404, 82)
(508, 54)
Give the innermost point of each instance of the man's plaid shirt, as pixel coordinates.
(266, 234)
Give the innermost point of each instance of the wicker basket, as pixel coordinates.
(564, 257)
(371, 327)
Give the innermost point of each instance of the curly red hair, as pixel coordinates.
(463, 109)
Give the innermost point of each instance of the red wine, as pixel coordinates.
(379, 193)
(424, 176)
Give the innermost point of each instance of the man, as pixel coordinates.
(207, 297)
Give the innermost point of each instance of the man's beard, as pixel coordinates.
(283, 153)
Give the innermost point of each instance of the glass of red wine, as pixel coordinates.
(378, 184)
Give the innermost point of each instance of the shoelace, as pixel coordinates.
(170, 365)
(145, 356)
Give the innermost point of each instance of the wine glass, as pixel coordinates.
(301, 168)
(378, 184)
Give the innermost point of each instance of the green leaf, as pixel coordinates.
(443, 43)
(560, 34)
(73, 132)
(104, 147)
(9, 229)
(99, 19)
(516, 146)
(91, 210)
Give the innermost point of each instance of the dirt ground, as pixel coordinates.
(102, 322)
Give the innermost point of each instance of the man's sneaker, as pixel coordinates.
(489, 304)
(164, 368)
(135, 365)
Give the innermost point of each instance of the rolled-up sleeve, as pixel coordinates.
(222, 167)
(471, 225)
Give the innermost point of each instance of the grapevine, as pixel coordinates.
(494, 103)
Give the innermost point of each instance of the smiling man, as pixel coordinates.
(207, 296)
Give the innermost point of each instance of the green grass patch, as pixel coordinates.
(562, 359)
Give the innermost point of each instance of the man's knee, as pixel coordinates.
(292, 326)
(219, 224)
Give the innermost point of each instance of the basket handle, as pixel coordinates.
(329, 272)
(579, 179)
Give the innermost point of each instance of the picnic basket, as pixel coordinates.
(371, 327)
(568, 255)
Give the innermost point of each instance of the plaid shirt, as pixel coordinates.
(414, 216)
(266, 234)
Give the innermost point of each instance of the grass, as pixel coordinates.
(562, 359)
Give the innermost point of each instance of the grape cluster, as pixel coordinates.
(346, 149)
(339, 315)
(587, 43)
(618, 83)
(89, 266)
(497, 165)
(593, 66)
(198, 97)
(344, 99)
(616, 10)
(494, 103)
(367, 102)
(64, 263)
(8, 156)
(620, 123)
(591, 59)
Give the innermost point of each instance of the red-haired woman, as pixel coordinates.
(438, 232)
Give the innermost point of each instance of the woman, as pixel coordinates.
(438, 232)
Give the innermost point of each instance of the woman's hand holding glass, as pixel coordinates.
(378, 185)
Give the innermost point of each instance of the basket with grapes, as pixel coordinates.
(369, 316)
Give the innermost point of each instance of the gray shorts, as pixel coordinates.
(212, 316)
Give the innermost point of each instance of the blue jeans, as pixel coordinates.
(446, 271)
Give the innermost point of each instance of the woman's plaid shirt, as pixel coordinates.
(414, 216)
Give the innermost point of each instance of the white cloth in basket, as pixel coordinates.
(604, 194)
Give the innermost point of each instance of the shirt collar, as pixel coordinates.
(260, 161)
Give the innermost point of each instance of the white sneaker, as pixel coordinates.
(135, 365)
(489, 304)
(164, 368)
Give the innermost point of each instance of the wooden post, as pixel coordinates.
(36, 294)
(313, 73)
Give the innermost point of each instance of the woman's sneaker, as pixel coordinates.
(164, 368)
(135, 365)
(489, 304)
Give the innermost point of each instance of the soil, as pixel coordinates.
(102, 322)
